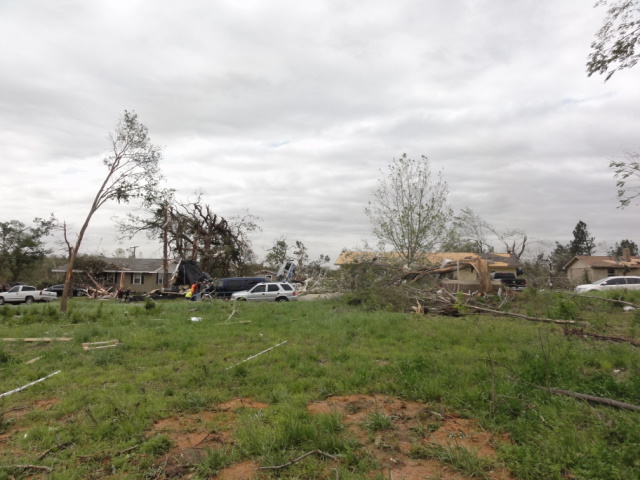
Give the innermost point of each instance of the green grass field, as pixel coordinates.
(101, 416)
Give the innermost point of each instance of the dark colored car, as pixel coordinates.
(77, 291)
(224, 287)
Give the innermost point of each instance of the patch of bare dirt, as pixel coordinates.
(411, 424)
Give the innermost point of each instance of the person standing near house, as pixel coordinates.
(120, 294)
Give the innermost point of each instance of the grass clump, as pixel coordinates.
(377, 421)
(462, 459)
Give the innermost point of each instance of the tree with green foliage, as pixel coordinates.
(277, 254)
(616, 44)
(618, 249)
(583, 243)
(132, 174)
(627, 172)
(410, 209)
(21, 246)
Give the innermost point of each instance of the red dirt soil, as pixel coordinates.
(391, 447)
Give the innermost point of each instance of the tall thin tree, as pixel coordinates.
(132, 173)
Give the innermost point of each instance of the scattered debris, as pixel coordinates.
(29, 384)
(98, 345)
(196, 319)
(256, 355)
(233, 323)
(33, 360)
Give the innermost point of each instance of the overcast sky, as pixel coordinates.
(291, 109)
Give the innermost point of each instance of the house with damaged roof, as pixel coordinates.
(462, 268)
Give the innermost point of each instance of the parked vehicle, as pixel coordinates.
(225, 287)
(509, 279)
(57, 289)
(268, 292)
(611, 283)
(26, 294)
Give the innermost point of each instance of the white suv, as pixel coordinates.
(611, 283)
(267, 292)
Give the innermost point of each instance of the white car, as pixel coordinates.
(268, 292)
(611, 283)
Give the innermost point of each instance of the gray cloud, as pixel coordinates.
(292, 110)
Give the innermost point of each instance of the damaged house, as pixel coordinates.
(140, 275)
(457, 270)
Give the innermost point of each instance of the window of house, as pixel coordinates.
(111, 277)
(611, 272)
(160, 279)
(137, 279)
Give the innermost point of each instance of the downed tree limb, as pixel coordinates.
(525, 317)
(284, 465)
(29, 384)
(54, 448)
(597, 336)
(44, 339)
(28, 467)
(256, 355)
(612, 300)
(590, 398)
(232, 313)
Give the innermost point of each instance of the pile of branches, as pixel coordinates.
(442, 302)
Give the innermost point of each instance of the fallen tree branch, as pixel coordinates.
(28, 467)
(45, 339)
(590, 398)
(284, 465)
(29, 384)
(257, 354)
(612, 300)
(232, 313)
(55, 447)
(581, 332)
(525, 317)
